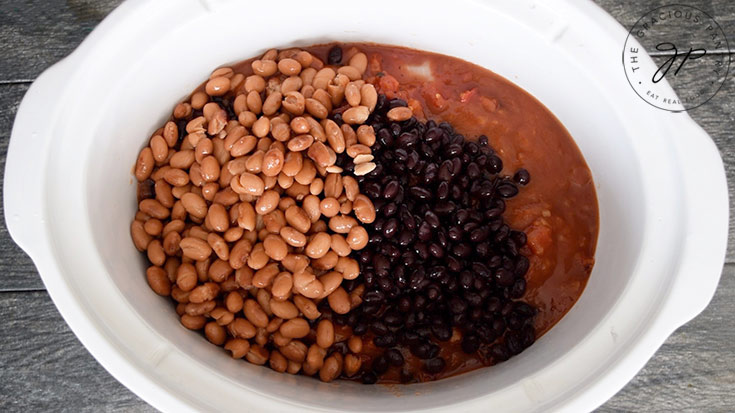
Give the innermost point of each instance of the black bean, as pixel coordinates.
(440, 255)
(470, 343)
(499, 352)
(394, 356)
(507, 190)
(504, 277)
(435, 365)
(522, 177)
(334, 56)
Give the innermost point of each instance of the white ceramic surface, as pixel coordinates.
(69, 196)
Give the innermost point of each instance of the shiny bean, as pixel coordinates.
(319, 245)
(325, 334)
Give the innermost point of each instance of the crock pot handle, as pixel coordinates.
(27, 150)
(707, 221)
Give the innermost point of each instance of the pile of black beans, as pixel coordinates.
(440, 256)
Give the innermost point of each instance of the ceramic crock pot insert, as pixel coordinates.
(69, 196)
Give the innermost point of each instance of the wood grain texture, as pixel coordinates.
(45, 368)
(18, 271)
(37, 33)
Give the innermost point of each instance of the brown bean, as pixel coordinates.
(272, 103)
(330, 280)
(171, 243)
(318, 153)
(299, 125)
(369, 96)
(281, 288)
(306, 284)
(268, 202)
(352, 94)
(246, 216)
(257, 355)
(237, 347)
(357, 238)
(289, 67)
(366, 135)
(153, 208)
(252, 184)
(278, 362)
(221, 316)
(327, 262)
(399, 114)
(155, 253)
(275, 247)
(354, 343)
(242, 328)
(316, 108)
(351, 188)
(331, 368)
(351, 72)
(295, 328)
(307, 307)
(280, 131)
(159, 148)
(153, 227)
(284, 309)
(254, 83)
(298, 218)
(294, 351)
(239, 254)
(218, 218)
(158, 280)
(144, 165)
(295, 103)
(182, 159)
(364, 209)
(325, 334)
(291, 84)
(210, 169)
(140, 238)
(318, 246)
(339, 301)
(205, 292)
(264, 68)
(255, 314)
(300, 143)
(307, 173)
(273, 222)
(295, 262)
(264, 276)
(176, 177)
(352, 365)
(342, 224)
(234, 302)
(217, 86)
(334, 135)
(200, 308)
(261, 127)
(195, 248)
(333, 186)
(219, 246)
(340, 246)
(193, 322)
(219, 270)
(293, 237)
(356, 115)
(182, 110)
(346, 207)
(186, 277)
(215, 333)
(293, 367)
(315, 357)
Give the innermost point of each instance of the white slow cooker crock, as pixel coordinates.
(70, 196)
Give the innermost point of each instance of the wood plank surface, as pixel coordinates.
(43, 367)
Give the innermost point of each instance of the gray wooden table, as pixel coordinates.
(43, 367)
